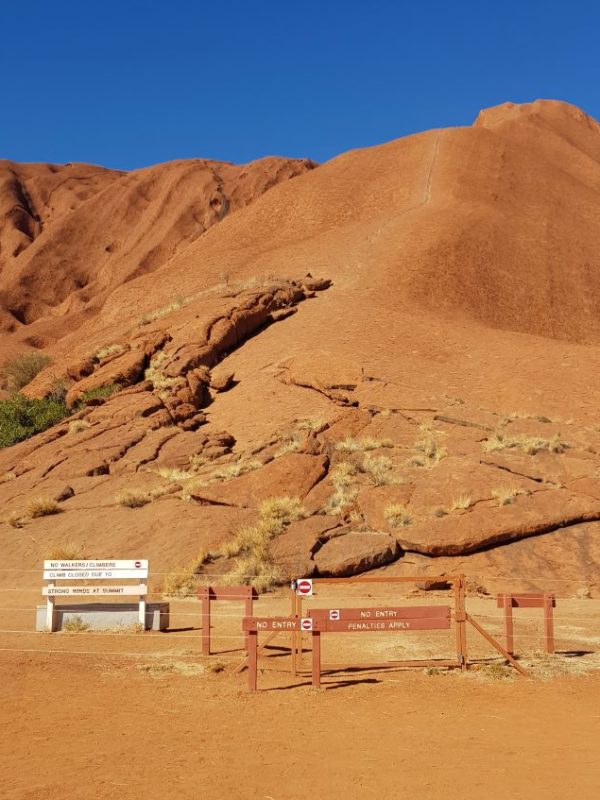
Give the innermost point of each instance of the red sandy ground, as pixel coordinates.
(80, 728)
(122, 719)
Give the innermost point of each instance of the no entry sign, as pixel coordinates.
(269, 624)
(304, 587)
(334, 613)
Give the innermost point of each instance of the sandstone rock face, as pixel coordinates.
(355, 553)
(407, 372)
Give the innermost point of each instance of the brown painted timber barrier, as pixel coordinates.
(318, 621)
(528, 600)
(209, 594)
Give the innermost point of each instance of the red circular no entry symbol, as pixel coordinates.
(138, 564)
(306, 624)
(305, 587)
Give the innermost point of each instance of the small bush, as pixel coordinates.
(439, 512)
(42, 507)
(397, 515)
(21, 417)
(133, 498)
(14, 520)
(75, 625)
(99, 393)
(21, 371)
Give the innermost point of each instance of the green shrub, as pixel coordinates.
(101, 392)
(19, 372)
(21, 417)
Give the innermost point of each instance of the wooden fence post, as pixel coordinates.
(549, 622)
(507, 601)
(252, 660)
(316, 658)
(204, 593)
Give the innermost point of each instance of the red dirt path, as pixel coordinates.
(83, 727)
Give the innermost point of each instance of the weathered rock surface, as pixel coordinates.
(355, 553)
(293, 475)
(478, 528)
(293, 551)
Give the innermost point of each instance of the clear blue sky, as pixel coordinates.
(130, 83)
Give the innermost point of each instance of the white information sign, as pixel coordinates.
(137, 564)
(94, 591)
(109, 569)
(93, 574)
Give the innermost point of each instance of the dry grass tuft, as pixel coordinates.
(158, 669)
(496, 672)
(184, 582)
(313, 424)
(134, 498)
(397, 515)
(175, 305)
(281, 511)
(173, 474)
(352, 445)
(14, 520)
(343, 477)
(78, 426)
(505, 495)
(462, 502)
(42, 507)
(379, 470)
(75, 625)
(430, 449)
(229, 471)
(290, 446)
(65, 552)
(529, 444)
(155, 375)
(439, 512)
(251, 544)
(215, 667)
(109, 350)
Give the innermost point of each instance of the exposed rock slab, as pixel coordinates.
(481, 527)
(354, 553)
(294, 475)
